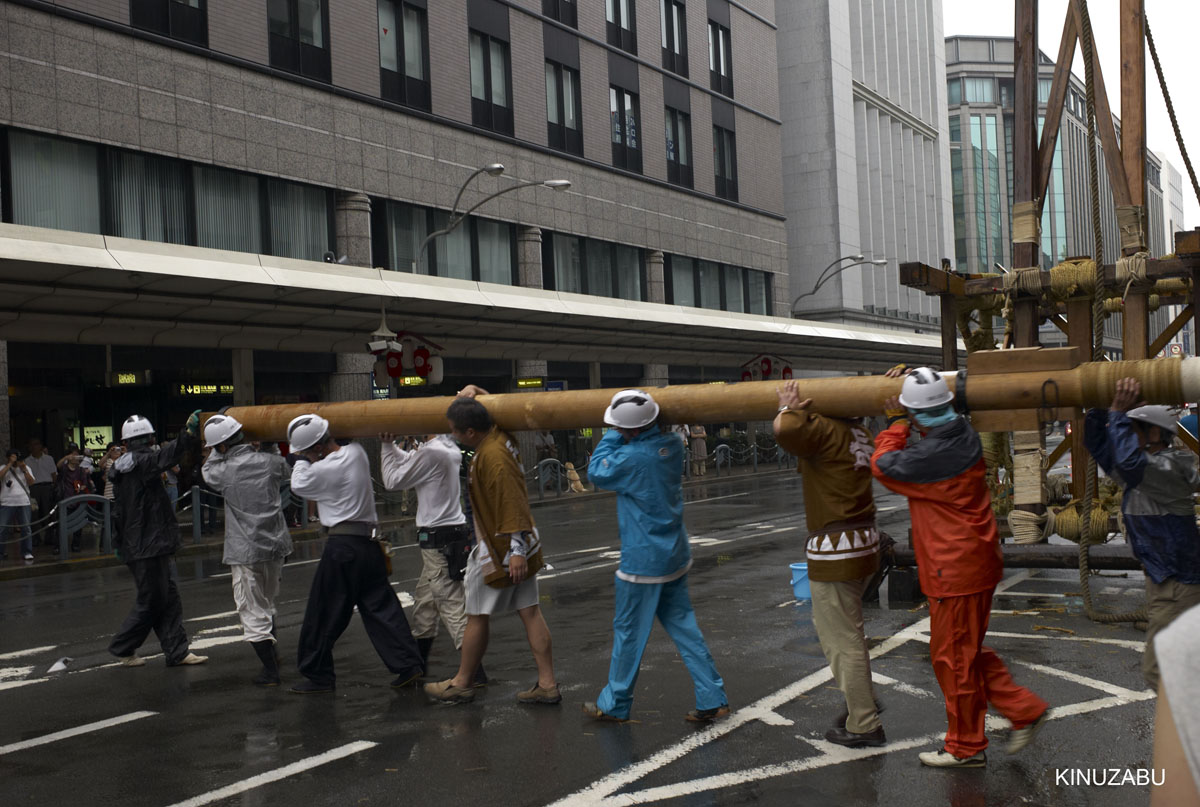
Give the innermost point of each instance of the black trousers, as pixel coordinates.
(351, 572)
(158, 608)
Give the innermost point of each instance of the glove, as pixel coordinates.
(192, 427)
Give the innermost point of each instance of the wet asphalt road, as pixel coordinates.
(368, 744)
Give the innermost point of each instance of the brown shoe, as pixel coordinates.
(537, 694)
(447, 692)
(708, 715)
(595, 713)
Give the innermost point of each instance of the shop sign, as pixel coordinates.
(97, 438)
(411, 381)
(531, 383)
(129, 378)
(205, 389)
(556, 386)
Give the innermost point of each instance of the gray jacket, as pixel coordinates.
(255, 529)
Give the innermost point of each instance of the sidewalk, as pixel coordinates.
(397, 528)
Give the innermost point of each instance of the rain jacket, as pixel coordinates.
(255, 529)
(646, 474)
(1160, 517)
(144, 523)
(954, 531)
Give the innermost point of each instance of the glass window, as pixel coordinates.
(562, 10)
(388, 36)
(720, 59)
(55, 183)
(495, 251)
(759, 292)
(977, 159)
(673, 25)
(733, 289)
(710, 284)
(148, 197)
(955, 133)
(1044, 86)
(683, 281)
(624, 117)
(453, 250)
(414, 42)
(629, 272)
(490, 96)
(621, 29)
(499, 72)
(312, 30)
(180, 19)
(562, 108)
(403, 39)
(980, 90)
(953, 92)
(299, 220)
(568, 263)
(679, 148)
(725, 163)
(228, 213)
(297, 39)
(478, 72)
(406, 229)
(599, 264)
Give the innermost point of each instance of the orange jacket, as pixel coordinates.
(954, 531)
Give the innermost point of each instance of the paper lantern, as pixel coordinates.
(766, 367)
(747, 375)
(435, 370)
(395, 364)
(420, 361)
(787, 373)
(406, 355)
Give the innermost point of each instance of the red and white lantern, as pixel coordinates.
(420, 361)
(766, 367)
(787, 373)
(395, 364)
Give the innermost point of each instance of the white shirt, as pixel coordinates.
(340, 484)
(15, 494)
(42, 468)
(432, 471)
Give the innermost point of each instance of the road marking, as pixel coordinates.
(276, 775)
(1132, 644)
(1112, 689)
(222, 629)
(75, 732)
(1031, 594)
(901, 686)
(580, 569)
(221, 615)
(25, 683)
(7, 673)
(718, 498)
(32, 651)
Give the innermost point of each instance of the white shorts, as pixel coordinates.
(485, 600)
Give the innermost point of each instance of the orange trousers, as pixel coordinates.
(972, 675)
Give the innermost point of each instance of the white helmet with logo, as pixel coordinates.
(305, 431)
(924, 389)
(220, 428)
(136, 426)
(631, 409)
(1155, 415)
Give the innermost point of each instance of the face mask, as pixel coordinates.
(929, 421)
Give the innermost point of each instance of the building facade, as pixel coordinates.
(310, 130)
(979, 81)
(865, 155)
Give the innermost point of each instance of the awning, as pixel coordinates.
(58, 286)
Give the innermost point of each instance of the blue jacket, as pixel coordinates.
(646, 474)
(1160, 516)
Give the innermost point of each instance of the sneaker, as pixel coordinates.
(189, 660)
(709, 715)
(850, 739)
(407, 680)
(593, 711)
(1019, 738)
(447, 692)
(944, 759)
(28, 558)
(537, 694)
(132, 661)
(307, 687)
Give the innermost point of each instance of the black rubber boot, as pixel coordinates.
(425, 645)
(269, 677)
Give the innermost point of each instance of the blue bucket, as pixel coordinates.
(800, 581)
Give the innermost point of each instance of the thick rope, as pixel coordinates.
(1162, 82)
(1087, 532)
(1027, 279)
(1074, 278)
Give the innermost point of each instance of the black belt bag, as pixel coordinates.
(442, 537)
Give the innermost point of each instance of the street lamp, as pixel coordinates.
(823, 278)
(456, 218)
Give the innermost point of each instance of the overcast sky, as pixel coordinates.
(1174, 24)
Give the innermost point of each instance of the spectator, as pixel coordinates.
(111, 454)
(15, 484)
(171, 481)
(698, 438)
(73, 480)
(45, 477)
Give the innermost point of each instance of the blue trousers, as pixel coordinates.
(637, 605)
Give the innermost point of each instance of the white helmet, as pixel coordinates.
(1155, 415)
(220, 428)
(924, 389)
(305, 431)
(136, 426)
(631, 409)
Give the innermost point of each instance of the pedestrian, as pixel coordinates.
(111, 454)
(1134, 444)
(171, 482)
(45, 478)
(959, 563)
(353, 567)
(16, 482)
(698, 437)
(146, 537)
(842, 550)
(256, 536)
(640, 461)
(502, 569)
(74, 479)
(432, 470)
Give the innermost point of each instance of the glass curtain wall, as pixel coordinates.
(148, 197)
(55, 183)
(299, 220)
(228, 210)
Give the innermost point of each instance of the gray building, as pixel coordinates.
(865, 154)
(1173, 222)
(979, 81)
(227, 138)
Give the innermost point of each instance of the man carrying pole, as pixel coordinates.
(642, 463)
(842, 550)
(958, 561)
(256, 535)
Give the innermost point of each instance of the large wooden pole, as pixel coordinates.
(1025, 159)
(1164, 381)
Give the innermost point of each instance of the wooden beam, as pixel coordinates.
(1169, 332)
(1156, 269)
(1059, 450)
(1186, 438)
(920, 276)
(1025, 157)
(1133, 99)
(1104, 123)
(949, 315)
(1054, 107)
(1135, 326)
(1079, 321)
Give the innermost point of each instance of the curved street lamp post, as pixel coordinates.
(823, 278)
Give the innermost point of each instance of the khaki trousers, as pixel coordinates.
(837, 614)
(1164, 602)
(438, 595)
